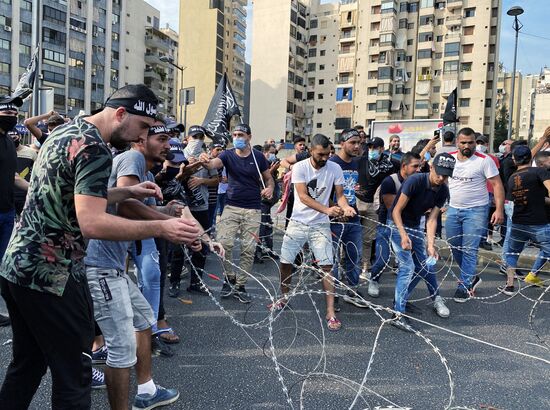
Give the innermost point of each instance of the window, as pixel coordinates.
(464, 102)
(468, 30)
(53, 77)
(311, 95)
(385, 73)
(321, 81)
(54, 15)
(465, 66)
(410, 26)
(342, 122)
(322, 53)
(5, 44)
(492, 49)
(313, 23)
(320, 96)
(493, 31)
(436, 89)
(319, 110)
(410, 42)
(450, 67)
(399, 89)
(465, 85)
(388, 7)
(26, 5)
(344, 94)
(470, 12)
(439, 39)
(298, 94)
(56, 37)
(75, 62)
(383, 106)
(77, 25)
(299, 80)
(384, 89)
(74, 82)
(115, 55)
(371, 106)
(115, 36)
(403, 7)
(426, 3)
(23, 49)
(115, 18)
(437, 56)
(4, 68)
(291, 77)
(319, 125)
(494, 12)
(422, 104)
(311, 67)
(488, 103)
(26, 28)
(372, 90)
(75, 103)
(435, 106)
(321, 67)
(425, 37)
(426, 20)
(452, 49)
(413, 7)
(440, 22)
(402, 23)
(467, 48)
(54, 56)
(312, 52)
(387, 39)
(425, 53)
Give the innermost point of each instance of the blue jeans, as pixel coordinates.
(221, 203)
(465, 227)
(412, 266)
(382, 252)
(148, 274)
(349, 235)
(520, 234)
(7, 219)
(508, 211)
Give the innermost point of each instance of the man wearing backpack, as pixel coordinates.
(410, 163)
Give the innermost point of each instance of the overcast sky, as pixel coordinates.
(534, 40)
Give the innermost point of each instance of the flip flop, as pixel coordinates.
(333, 324)
(167, 331)
(278, 305)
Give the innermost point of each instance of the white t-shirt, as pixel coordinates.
(319, 183)
(468, 185)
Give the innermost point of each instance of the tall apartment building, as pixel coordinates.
(527, 106)
(89, 48)
(541, 102)
(504, 94)
(211, 42)
(391, 60)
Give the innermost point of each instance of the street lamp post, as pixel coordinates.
(168, 60)
(514, 11)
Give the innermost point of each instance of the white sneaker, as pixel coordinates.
(373, 289)
(440, 308)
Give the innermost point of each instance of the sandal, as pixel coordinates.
(278, 305)
(333, 324)
(167, 335)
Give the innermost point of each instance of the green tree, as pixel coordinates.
(501, 127)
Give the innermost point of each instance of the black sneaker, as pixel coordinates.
(4, 320)
(507, 290)
(241, 295)
(197, 288)
(521, 273)
(227, 289)
(461, 295)
(402, 323)
(159, 347)
(355, 297)
(174, 290)
(475, 283)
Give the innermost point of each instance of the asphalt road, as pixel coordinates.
(225, 359)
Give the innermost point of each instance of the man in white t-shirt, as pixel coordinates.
(468, 208)
(314, 180)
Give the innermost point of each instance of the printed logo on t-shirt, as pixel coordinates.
(313, 191)
(350, 185)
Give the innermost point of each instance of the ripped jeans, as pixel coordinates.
(148, 274)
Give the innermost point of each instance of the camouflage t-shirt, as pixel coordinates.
(48, 245)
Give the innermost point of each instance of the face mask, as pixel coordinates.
(239, 143)
(427, 156)
(271, 157)
(481, 148)
(7, 122)
(374, 155)
(502, 149)
(194, 148)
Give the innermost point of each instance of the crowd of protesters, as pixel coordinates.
(95, 200)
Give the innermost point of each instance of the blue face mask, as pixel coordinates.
(239, 143)
(272, 158)
(374, 155)
(427, 156)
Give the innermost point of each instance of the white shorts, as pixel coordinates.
(318, 236)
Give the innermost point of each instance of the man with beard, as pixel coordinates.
(374, 166)
(347, 232)
(314, 179)
(43, 275)
(394, 148)
(469, 207)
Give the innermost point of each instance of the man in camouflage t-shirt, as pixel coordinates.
(42, 274)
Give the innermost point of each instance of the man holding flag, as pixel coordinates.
(249, 180)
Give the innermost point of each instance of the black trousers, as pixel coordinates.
(49, 331)
(162, 247)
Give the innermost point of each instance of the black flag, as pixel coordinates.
(222, 108)
(26, 82)
(449, 116)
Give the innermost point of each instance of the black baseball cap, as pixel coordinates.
(444, 164)
(521, 153)
(9, 103)
(176, 149)
(197, 130)
(482, 138)
(376, 142)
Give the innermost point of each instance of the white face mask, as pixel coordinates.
(502, 149)
(194, 148)
(481, 148)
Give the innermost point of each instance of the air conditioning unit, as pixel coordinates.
(7, 28)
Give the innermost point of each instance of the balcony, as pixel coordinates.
(152, 59)
(454, 4)
(453, 21)
(453, 35)
(348, 35)
(152, 75)
(425, 77)
(155, 42)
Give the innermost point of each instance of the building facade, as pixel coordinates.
(504, 94)
(376, 60)
(89, 48)
(211, 42)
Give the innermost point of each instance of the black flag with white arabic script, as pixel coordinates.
(26, 82)
(449, 116)
(222, 108)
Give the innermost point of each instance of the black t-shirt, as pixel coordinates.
(8, 167)
(387, 188)
(507, 168)
(526, 188)
(372, 173)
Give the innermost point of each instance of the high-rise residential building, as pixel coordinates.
(526, 102)
(89, 48)
(541, 113)
(373, 60)
(211, 42)
(504, 94)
